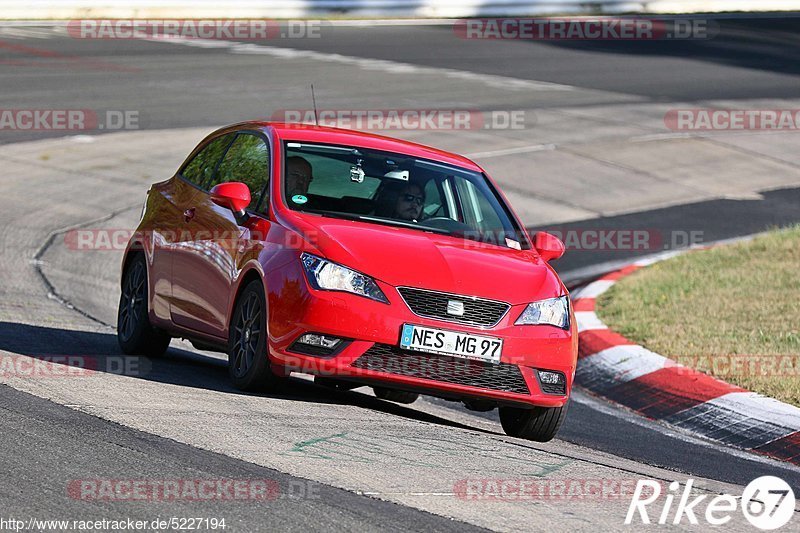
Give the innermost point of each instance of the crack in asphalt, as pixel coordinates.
(37, 262)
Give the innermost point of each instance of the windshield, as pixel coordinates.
(395, 189)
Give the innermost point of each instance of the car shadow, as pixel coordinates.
(99, 352)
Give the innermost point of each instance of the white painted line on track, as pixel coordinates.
(383, 65)
(424, 21)
(391, 22)
(659, 257)
(588, 320)
(372, 493)
(619, 364)
(760, 407)
(512, 151)
(596, 288)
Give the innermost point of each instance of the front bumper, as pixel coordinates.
(372, 354)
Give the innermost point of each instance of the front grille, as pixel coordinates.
(393, 360)
(432, 304)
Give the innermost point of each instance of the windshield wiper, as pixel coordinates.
(332, 214)
(392, 222)
(377, 220)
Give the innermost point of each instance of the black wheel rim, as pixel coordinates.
(131, 310)
(246, 335)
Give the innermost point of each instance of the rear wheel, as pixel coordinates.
(538, 423)
(135, 334)
(248, 362)
(396, 396)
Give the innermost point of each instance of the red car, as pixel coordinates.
(360, 259)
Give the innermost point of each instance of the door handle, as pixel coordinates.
(188, 214)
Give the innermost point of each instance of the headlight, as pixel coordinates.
(329, 276)
(553, 311)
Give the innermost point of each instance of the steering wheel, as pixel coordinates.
(445, 223)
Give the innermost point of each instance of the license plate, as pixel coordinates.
(439, 341)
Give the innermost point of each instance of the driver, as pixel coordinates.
(409, 203)
(400, 200)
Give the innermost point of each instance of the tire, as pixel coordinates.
(396, 396)
(248, 363)
(538, 423)
(135, 334)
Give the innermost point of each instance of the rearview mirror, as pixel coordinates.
(233, 195)
(549, 246)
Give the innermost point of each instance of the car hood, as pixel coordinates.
(407, 257)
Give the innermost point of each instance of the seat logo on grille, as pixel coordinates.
(455, 308)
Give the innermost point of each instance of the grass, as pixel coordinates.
(732, 312)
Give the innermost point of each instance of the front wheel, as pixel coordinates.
(134, 333)
(248, 362)
(537, 423)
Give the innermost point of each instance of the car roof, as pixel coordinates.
(329, 135)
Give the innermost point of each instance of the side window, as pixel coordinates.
(247, 161)
(478, 212)
(449, 199)
(434, 205)
(201, 167)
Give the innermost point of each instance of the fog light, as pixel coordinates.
(323, 341)
(551, 378)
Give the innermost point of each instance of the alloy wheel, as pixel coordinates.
(247, 333)
(133, 295)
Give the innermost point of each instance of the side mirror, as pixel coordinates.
(549, 246)
(232, 195)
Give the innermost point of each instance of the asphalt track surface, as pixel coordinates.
(46, 434)
(750, 60)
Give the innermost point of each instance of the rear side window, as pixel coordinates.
(200, 169)
(247, 161)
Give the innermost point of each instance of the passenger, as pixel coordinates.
(299, 176)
